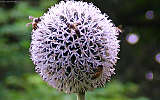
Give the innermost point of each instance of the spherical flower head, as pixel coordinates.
(75, 47)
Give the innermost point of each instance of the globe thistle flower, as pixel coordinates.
(74, 47)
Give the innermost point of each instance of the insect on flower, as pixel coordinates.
(75, 47)
(74, 27)
(34, 22)
(119, 29)
(98, 72)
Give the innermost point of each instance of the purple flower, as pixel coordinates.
(74, 47)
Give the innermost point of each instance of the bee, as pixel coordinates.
(34, 22)
(98, 72)
(119, 29)
(74, 27)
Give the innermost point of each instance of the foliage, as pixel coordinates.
(31, 87)
(15, 36)
(17, 79)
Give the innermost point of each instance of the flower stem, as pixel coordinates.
(81, 96)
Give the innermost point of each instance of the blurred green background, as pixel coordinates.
(137, 72)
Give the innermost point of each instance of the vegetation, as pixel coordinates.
(31, 87)
(18, 81)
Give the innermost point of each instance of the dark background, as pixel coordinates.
(137, 72)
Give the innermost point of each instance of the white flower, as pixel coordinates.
(75, 47)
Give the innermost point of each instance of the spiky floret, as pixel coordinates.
(75, 47)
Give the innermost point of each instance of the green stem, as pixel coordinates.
(81, 96)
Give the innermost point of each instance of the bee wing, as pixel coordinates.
(28, 24)
(31, 17)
